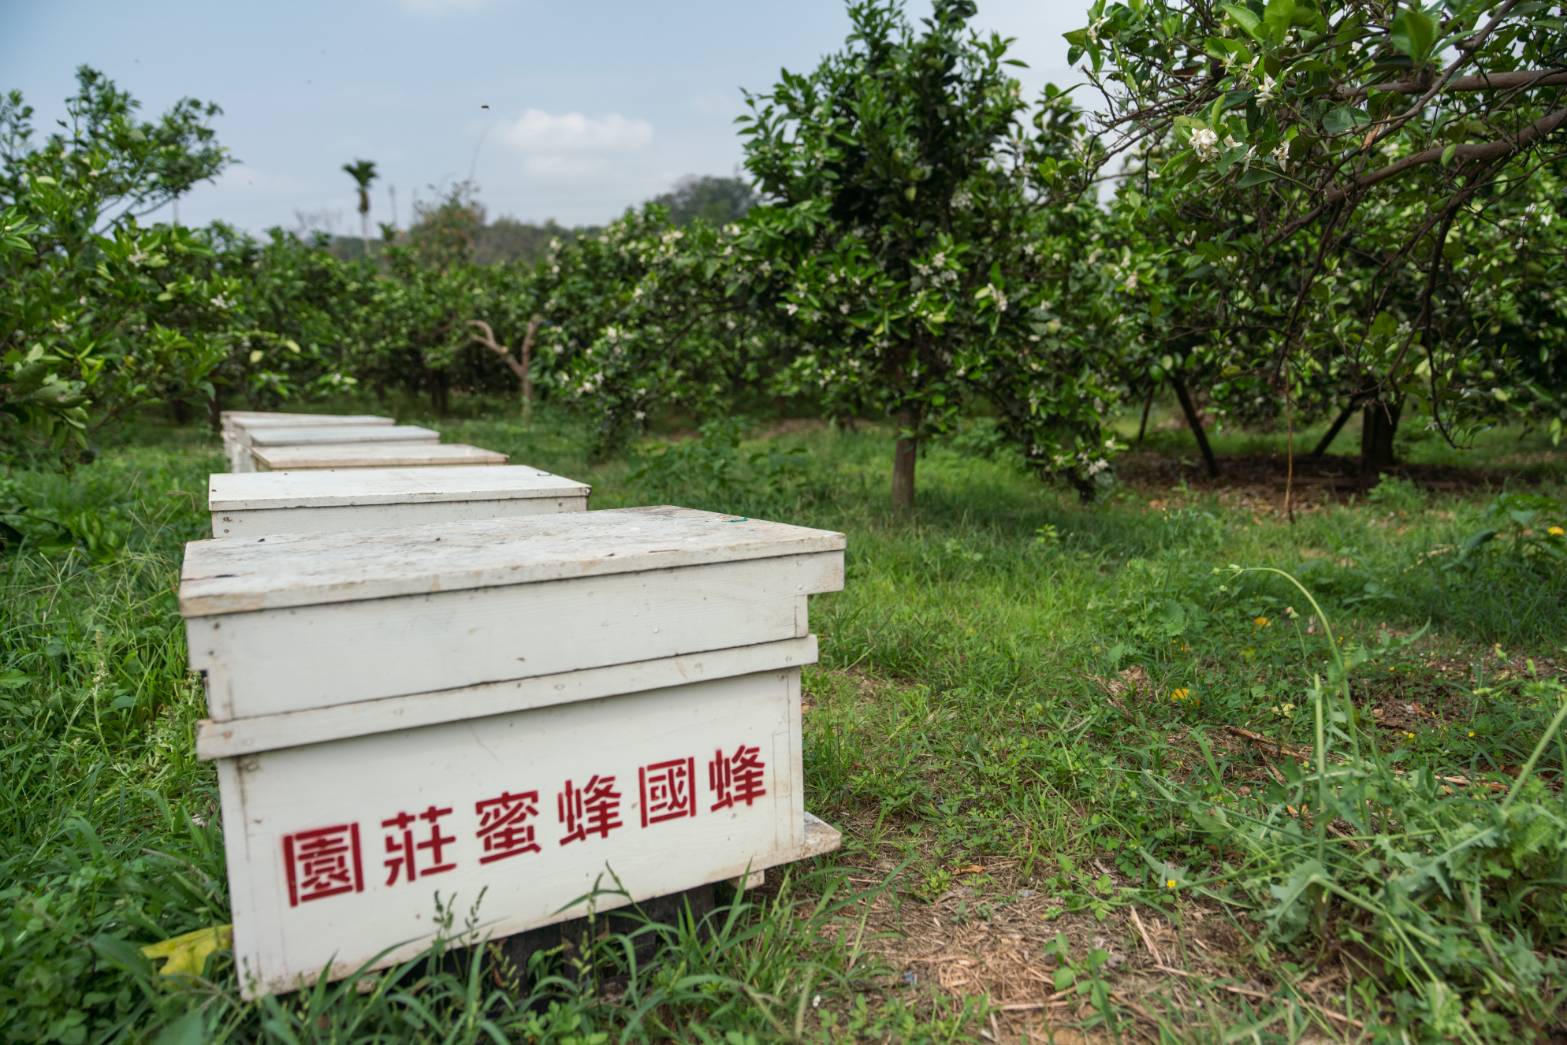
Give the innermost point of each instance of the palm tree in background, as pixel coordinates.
(363, 173)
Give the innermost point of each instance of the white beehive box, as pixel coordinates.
(254, 438)
(235, 422)
(521, 710)
(371, 455)
(322, 500)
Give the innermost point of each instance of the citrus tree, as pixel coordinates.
(100, 313)
(1345, 160)
(904, 225)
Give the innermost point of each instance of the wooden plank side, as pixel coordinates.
(380, 516)
(248, 736)
(317, 435)
(358, 486)
(337, 653)
(372, 455)
(351, 846)
(241, 575)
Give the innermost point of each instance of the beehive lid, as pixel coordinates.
(307, 435)
(242, 574)
(374, 455)
(250, 419)
(327, 487)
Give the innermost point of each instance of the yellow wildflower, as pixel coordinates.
(1169, 883)
(1471, 733)
(1261, 622)
(1180, 693)
(1556, 531)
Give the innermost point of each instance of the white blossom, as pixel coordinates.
(1205, 142)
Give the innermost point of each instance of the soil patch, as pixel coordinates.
(1257, 481)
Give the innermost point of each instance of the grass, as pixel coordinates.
(1072, 751)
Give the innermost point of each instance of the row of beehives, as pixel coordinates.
(449, 688)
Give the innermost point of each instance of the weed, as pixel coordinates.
(995, 691)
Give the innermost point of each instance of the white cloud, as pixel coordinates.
(539, 132)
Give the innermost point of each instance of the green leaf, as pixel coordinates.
(1249, 22)
(1414, 32)
(189, 1029)
(1342, 119)
(1277, 17)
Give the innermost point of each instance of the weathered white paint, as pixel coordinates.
(248, 438)
(247, 418)
(282, 940)
(380, 516)
(249, 736)
(318, 435)
(371, 455)
(288, 659)
(327, 488)
(234, 576)
(262, 503)
(363, 684)
(236, 423)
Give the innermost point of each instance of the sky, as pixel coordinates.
(594, 106)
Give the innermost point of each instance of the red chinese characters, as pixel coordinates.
(737, 778)
(504, 827)
(322, 862)
(668, 790)
(325, 861)
(592, 809)
(404, 850)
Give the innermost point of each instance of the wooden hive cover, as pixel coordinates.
(314, 435)
(242, 575)
(258, 419)
(352, 487)
(374, 455)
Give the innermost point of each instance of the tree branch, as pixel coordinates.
(486, 337)
(1483, 152)
(1522, 78)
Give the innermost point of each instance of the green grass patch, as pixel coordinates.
(1028, 710)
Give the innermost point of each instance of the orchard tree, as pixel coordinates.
(905, 228)
(99, 313)
(648, 316)
(1373, 145)
(297, 320)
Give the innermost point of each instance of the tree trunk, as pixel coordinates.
(1142, 427)
(440, 392)
(1195, 424)
(215, 409)
(526, 352)
(1333, 430)
(1378, 426)
(905, 454)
